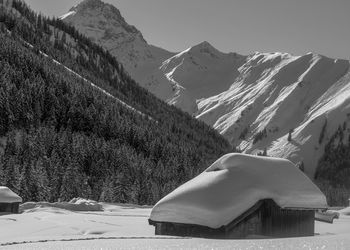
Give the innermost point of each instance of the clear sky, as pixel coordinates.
(242, 26)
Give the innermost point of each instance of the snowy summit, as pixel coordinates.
(104, 24)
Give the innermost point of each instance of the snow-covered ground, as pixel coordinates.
(126, 227)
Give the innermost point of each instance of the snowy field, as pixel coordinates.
(43, 226)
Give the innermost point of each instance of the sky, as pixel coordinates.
(242, 26)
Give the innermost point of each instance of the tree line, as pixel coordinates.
(60, 138)
(333, 170)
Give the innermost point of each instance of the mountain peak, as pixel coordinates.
(96, 13)
(204, 45)
(97, 6)
(103, 24)
(88, 4)
(206, 48)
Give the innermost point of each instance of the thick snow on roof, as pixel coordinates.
(233, 184)
(7, 196)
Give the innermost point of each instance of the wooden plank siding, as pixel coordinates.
(9, 208)
(265, 218)
(188, 230)
(277, 222)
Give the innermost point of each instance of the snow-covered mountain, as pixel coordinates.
(267, 96)
(200, 72)
(255, 101)
(180, 79)
(103, 24)
(276, 94)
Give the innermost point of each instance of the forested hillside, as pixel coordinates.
(333, 171)
(62, 138)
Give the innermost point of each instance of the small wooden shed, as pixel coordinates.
(9, 201)
(241, 196)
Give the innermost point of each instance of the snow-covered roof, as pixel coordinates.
(8, 196)
(232, 185)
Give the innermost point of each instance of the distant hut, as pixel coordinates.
(241, 196)
(9, 201)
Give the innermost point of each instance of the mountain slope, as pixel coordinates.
(179, 79)
(200, 72)
(63, 137)
(255, 101)
(277, 93)
(104, 25)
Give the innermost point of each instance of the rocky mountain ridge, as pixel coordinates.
(272, 102)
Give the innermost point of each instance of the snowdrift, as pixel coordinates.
(76, 204)
(8, 196)
(345, 211)
(233, 184)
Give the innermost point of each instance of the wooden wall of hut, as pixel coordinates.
(265, 218)
(277, 222)
(9, 208)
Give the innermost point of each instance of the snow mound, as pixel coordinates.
(233, 184)
(8, 196)
(76, 204)
(345, 211)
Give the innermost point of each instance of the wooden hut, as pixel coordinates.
(241, 196)
(9, 201)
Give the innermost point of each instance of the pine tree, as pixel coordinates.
(265, 152)
(27, 183)
(42, 181)
(72, 181)
(11, 173)
(323, 132)
(290, 134)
